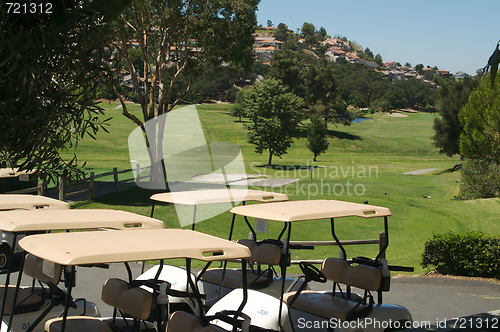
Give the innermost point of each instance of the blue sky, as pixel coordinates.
(456, 35)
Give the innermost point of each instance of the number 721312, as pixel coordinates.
(29, 8)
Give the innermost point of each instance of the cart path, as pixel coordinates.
(421, 171)
(427, 299)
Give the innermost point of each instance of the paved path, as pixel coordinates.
(421, 171)
(430, 300)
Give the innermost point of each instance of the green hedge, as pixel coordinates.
(480, 179)
(471, 254)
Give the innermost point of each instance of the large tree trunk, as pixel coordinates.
(270, 157)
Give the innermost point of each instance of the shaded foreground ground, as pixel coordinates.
(431, 301)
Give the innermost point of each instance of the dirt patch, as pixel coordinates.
(435, 274)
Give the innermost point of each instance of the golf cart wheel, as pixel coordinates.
(4, 257)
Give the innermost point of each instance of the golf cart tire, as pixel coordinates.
(4, 256)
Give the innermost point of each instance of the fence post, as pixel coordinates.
(115, 176)
(91, 186)
(61, 188)
(40, 188)
(382, 243)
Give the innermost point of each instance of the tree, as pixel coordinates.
(49, 72)
(452, 97)
(416, 92)
(178, 39)
(316, 136)
(308, 32)
(269, 23)
(395, 98)
(321, 34)
(281, 33)
(275, 114)
(238, 110)
(321, 91)
(419, 68)
(286, 66)
(480, 138)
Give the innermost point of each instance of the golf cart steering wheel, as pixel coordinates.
(60, 295)
(312, 272)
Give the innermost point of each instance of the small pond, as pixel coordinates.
(361, 119)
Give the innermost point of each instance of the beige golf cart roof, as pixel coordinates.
(30, 202)
(13, 172)
(310, 210)
(138, 245)
(47, 220)
(213, 196)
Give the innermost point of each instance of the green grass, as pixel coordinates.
(386, 146)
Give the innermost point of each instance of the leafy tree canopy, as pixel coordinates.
(178, 39)
(453, 96)
(48, 76)
(275, 114)
(480, 119)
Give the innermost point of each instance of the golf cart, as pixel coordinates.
(141, 309)
(217, 282)
(340, 309)
(23, 306)
(22, 202)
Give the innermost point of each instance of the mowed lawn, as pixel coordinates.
(365, 162)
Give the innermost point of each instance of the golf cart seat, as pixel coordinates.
(181, 321)
(30, 298)
(133, 302)
(262, 253)
(336, 304)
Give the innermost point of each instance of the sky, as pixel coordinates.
(455, 35)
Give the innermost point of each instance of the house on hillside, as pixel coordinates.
(338, 43)
(267, 41)
(353, 57)
(335, 54)
(265, 53)
(443, 73)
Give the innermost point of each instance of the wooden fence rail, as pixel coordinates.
(63, 193)
(38, 190)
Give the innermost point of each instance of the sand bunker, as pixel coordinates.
(397, 115)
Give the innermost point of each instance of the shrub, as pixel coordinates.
(480, 179)
(472, 254)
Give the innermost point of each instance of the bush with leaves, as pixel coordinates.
(471, 254)
(480, 179)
